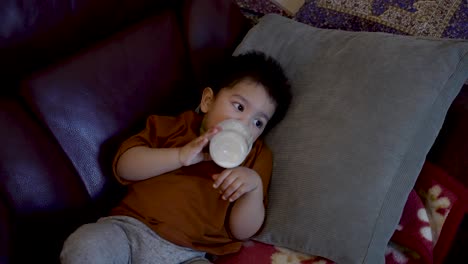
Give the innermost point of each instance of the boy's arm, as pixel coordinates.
(142, 162)
(247, 214)
(246, 187)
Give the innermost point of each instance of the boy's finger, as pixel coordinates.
(231, 188)
(220, 178)
(204, 142)
(200, 143)
(239, 192)
(228, 182)
(211, 132)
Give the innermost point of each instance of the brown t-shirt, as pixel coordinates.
(182, 206)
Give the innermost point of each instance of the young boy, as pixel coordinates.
(180, 204)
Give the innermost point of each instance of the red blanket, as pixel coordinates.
(432, 214)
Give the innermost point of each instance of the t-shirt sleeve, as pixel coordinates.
(158, 133)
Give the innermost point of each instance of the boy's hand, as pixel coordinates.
(192, 152)
(233, 183)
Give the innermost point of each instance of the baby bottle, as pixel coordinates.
(231, 145)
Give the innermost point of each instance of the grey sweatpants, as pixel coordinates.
(123, 239)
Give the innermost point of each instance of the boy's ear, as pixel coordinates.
(207, 99)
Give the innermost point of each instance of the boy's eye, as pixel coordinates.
(258, 123)
(239, 107)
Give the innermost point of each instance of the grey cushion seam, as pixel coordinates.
(457, 69)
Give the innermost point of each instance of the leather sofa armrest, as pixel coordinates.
(450, 150)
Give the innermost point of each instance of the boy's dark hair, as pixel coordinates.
(260, 68)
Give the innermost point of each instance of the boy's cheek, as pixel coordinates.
(256, 135)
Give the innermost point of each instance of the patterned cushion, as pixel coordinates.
(445, 19)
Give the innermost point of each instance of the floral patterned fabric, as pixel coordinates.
(432, 213)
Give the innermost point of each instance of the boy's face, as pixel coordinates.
(247, 101)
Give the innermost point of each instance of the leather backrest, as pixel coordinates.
(212, 29)
(60, 136)
(90, 100)
(34, 34)
(33, 170)
(41, 198)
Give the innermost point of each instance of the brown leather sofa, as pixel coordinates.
(77, 78)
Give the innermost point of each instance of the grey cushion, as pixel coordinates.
(366, 109)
